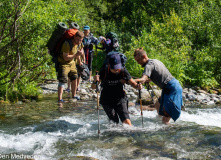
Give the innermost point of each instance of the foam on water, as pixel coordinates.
(207, 117)
(38, 143)
(44, 143)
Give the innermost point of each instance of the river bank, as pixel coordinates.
(191, 96)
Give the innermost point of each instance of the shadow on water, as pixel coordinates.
(47, 130)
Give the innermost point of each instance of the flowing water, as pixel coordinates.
(46, 131)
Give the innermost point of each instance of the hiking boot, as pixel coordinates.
(76, 97)
(61, 101)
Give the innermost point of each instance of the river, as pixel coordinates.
(44, 130)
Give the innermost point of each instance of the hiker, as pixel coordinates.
(170, 102)
(109, 42)
(67, 67)
(113, 98)
(88, 41)
(74, 25)
(104, 43)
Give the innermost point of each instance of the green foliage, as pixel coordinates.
(184, 35)
(167, 43)
(98, 60)
(184, 41)
(27, 27)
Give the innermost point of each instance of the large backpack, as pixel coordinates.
(114, 44)
(83, 71)
(58, 37)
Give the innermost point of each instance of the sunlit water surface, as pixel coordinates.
(46, 131)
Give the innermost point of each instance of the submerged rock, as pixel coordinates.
(78, 158)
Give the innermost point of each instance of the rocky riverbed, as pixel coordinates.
(190, 96)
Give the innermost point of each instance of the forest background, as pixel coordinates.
(184, 35)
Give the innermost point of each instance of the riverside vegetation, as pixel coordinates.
(184, 35)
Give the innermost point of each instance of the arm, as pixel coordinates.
(68, 57)
(102, 40)
(78, 60)
(83, 57)
(143, 79)
(96, 78)
(103, 48)
(134, 84)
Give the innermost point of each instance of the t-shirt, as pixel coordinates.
(112, 88)
(66, 49)
(157, 72)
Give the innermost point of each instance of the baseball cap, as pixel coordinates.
(115, 61)
(86, 28)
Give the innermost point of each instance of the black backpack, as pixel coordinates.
(84, 71)
(58, 37)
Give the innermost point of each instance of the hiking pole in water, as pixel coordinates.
(141, 109)
(98, 106)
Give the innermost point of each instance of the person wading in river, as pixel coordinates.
(67, 67)
(113, 98)
(170, 102)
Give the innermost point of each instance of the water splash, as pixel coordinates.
(206, 117)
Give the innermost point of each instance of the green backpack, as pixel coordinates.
(114, 46)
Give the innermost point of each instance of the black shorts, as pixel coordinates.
(116, 111)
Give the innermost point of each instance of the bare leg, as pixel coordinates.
(73, 87)
(90, 76)
(60, 92)
(78, 82)
(157, 106)
(166, 120)
(69, 84)
(127, 121)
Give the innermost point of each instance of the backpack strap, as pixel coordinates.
(107, 71)
(70, 43)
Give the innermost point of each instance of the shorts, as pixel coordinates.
(65, 71)
(171, 99)
(116, 111)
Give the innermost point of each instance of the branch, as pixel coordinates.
(23, 10)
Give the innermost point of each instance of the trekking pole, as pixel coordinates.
(148, 87)
(141, 109)
(96, 57)
(98, 106)
(147, 84)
